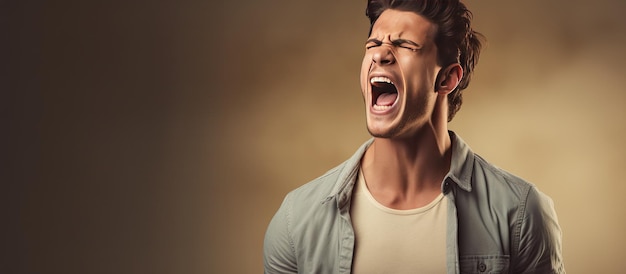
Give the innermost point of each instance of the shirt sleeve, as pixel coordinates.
(278, 249)
(539, 249)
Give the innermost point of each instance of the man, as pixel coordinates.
(415, 199)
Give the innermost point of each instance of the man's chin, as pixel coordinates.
(383, 127)
(391, 130)
(381, 133)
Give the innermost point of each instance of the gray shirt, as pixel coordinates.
(497, 222)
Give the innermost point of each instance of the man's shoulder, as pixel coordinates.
(500, 181)
(333, 181)
(475, 174)
(320, 187)
(502, 193)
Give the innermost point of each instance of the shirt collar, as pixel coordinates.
(461, 168)
(461, 165)
(347, 176)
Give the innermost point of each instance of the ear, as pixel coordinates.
(449, 78)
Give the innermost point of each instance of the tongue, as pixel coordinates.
(386, 99)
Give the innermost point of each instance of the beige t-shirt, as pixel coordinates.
(397, 241)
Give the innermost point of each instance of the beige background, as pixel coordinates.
(160, 137)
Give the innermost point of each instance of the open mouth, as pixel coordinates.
(384, 93)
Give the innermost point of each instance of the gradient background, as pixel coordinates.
(160, 137)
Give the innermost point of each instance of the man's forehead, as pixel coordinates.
(398, 23)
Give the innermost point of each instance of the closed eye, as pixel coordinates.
(399, 43)
(406, 44)
(407, 47)
(370, 43)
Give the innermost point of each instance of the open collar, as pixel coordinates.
(461, 169)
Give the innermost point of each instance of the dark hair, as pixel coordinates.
(456, 41)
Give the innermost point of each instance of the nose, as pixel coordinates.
(383, 55)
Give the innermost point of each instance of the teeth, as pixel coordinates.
(377, 107)
(380, 79)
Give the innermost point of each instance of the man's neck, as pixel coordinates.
(407, 173)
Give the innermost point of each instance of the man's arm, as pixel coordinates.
(539, 248)
(278, 250)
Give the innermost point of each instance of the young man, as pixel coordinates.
(415, 199)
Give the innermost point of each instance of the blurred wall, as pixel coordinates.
(161, 136)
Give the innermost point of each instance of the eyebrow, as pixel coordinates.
(398, 41)
(373, 40)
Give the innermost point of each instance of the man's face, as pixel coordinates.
(398, 74)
